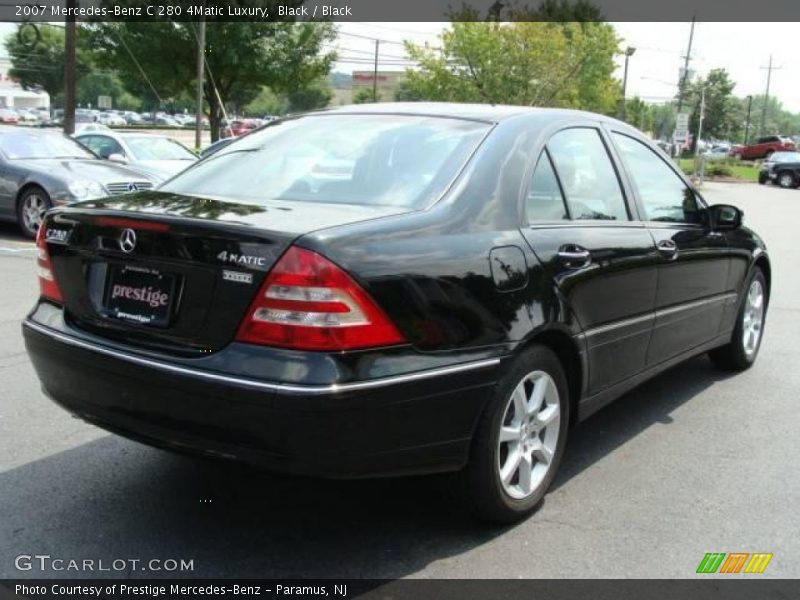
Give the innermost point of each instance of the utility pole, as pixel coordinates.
(201, 59)
(375, 73)
(682, 84)
(747, 124)
(699, 157)
(769, 69)
(69, 68)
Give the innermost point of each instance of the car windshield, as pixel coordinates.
(365, 159)
(785, 157)
(157, 148)
(28, 145)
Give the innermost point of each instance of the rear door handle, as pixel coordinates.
(574, 256)
(667, 249)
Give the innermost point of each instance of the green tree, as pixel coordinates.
(777, 120)
(403, 92)
(640, 114)
(316, 94)
(37, 57)
(720, 120)
(531, 63)
(266, 103)
(242, 58)
(365, 96)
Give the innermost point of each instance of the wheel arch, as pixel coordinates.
(27, 186)
(762, 262)
(569, 354)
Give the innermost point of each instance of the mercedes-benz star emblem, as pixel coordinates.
(132, 187)
(127, 240)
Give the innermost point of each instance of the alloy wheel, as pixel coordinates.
(528, 435)
(786, 180)
(33, 209)
(753, 318)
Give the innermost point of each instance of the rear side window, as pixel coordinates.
(587, 175)
(545, 201)
(102, 145)
(392, 160)
(664, 195)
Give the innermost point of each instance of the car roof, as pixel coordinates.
(492, 113)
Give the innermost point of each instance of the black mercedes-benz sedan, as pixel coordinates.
(394, 289)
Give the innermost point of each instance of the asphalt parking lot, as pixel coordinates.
(694, 461)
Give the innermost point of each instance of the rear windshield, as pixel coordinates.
(157, 148)
(388, 160)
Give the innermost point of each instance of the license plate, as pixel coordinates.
(139, 295)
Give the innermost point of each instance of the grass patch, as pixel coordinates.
(733, 167)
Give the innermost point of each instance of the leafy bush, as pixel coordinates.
(719, 170)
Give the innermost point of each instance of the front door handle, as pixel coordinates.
(667, 249)
(574, 256)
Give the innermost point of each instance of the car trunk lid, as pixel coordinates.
(174, 273)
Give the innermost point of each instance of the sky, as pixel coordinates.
(741, 48)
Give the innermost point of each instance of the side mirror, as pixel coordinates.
(725, 217)
(117, 158)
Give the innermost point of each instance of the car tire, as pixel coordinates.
(498, 491)
(33, 200)
(762, 179)
(741, 352)
(786, 179)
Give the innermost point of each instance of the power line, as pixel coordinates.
(370, 38)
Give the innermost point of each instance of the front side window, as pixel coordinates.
(544, 201)
(392, 160)
(664, 195)
(587, 175)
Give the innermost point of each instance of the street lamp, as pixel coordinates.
(628, 53)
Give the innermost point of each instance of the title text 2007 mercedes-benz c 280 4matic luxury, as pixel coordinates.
(392, 289)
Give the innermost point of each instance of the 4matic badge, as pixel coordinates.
(242, 260)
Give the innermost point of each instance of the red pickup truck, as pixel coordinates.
(763, 147)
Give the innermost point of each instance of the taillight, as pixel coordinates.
(48, 287)
(309, 303)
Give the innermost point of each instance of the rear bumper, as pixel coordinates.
(416, 422)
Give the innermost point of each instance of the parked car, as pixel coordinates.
(157, 155)
(764, 146)
(238, 127)
(89, 126)
(40, 169)
(484, 278)
(717, 152)
(8, 116)
(111, 119)
(132, 118)
(782, 168)
(27, 116)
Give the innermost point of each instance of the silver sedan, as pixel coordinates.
(40, 169)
